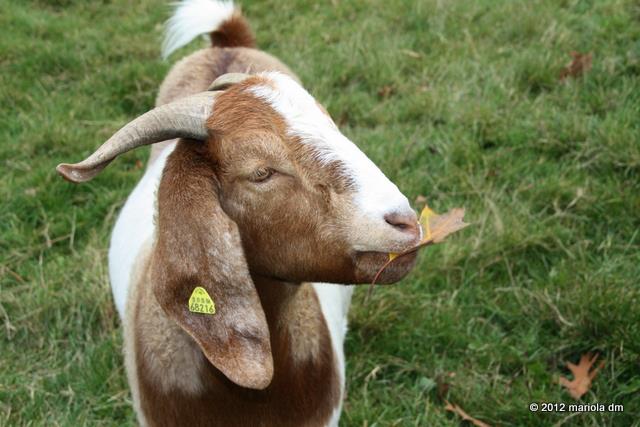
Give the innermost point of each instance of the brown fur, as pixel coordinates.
(234, 32)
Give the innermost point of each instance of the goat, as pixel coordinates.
(253, 195)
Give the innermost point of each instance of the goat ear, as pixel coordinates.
(199, 245)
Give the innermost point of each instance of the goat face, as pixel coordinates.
(310, 206)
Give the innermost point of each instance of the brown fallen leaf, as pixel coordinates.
(452, 407)
(580, 64)
(442, 386)
(582, 375)
(386, 91)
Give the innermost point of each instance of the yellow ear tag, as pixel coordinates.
(201, 302)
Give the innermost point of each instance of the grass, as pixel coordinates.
(456, 101)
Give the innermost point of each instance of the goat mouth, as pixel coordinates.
(369, 263)
(384, 256)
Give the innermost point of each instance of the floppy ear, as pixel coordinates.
(199, 245)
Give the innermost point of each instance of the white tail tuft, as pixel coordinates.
(193, 18)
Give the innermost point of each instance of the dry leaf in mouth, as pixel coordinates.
(452, 407)
(435, 228)
(583, 375)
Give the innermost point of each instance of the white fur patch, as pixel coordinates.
(375, 195)
(193, 18)
(334, 303)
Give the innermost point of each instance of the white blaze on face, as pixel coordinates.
(375, 195)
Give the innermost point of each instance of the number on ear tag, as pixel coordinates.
(201, 302)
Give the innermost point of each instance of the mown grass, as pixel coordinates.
(456, 101)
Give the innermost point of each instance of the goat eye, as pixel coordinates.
(261, 175)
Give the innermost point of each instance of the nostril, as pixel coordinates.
(399, 225)
(394, 222)
(403, 222)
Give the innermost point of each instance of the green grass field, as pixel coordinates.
(457, 101)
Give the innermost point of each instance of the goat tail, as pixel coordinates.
(221, 19)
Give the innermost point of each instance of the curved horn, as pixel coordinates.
(184, 118)
(226, 80)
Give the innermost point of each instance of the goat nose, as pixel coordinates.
(407, 221)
